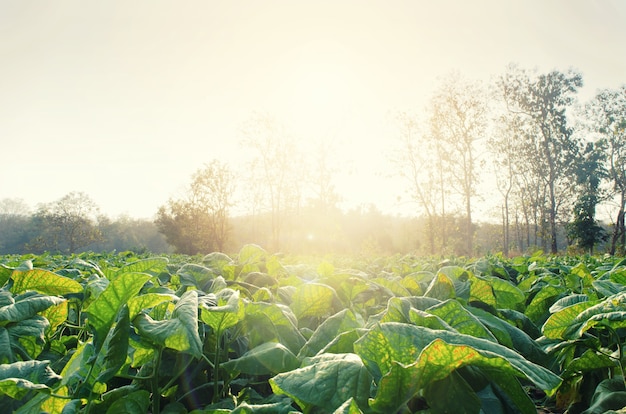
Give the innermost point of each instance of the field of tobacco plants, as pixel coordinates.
(262, 333)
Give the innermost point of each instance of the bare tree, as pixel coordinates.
(458, 122)
(416, 162)
(543, 100)
(276, 173)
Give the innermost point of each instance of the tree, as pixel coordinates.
(589, 173)
(198, 223)
(15, 225)
(606, 114)
(276, 174)
(458, 122)
(543, 100)
(415, 164)
(67, 225)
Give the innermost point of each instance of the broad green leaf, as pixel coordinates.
(482, 291)
(268, 322)
(461, 319)
(396, 388)
(268, 358)
(607, 288)
(568, 301)
(26, 306)
(513, 337)
(561, 321)
(149, 300)
(439, 360)
(226, 314)
(43, 281)
(507, 295)
(590, 360)
(538, 309)
(251, 254)
(312, 300)
(342, 321)
(136, 402)
(403, 343)
(102, 311)
(343, 343)
(609, 395)
(18, 378)
(5, 274)
(56, 315)
(451, 394)
(316, 384)
(441, 287)
(151, 265)
(180, 332)
(392, 285)
(192, 274)
(611, 312)
(348, 407)
(115, 347)
(27, 336)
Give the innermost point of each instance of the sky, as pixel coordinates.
(124, 100)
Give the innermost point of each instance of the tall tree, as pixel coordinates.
(585, 229)
(198, 222)
(276, 175)
(415, 164)
(458, 122)
(67, 225)
(606, 114)
(544, 100)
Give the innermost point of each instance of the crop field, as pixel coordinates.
(261, 333)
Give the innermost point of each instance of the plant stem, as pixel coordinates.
(156, 392)
(216, 393)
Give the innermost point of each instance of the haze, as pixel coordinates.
(125, 100)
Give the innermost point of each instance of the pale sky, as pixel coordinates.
(124, 100)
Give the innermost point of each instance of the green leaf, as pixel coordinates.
(269, 322)
(26, 306)
(134, 403)
(507, 295)
(43, 281)
(441, 287)
(268, 358)
(180, 332)
(102, 311)
(396, 388)
(609, 395)
(403, 343)
(151, 265)
(312, 300)
(116, 347)
(538, 309)
(348, 407)
(561, 321)
(590, 360)
(149, 300)
(342, 321)
(461, 319)
(328, 381)
(226, 314)
(18, 378)
(451, 394)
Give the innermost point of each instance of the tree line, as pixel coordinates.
(552, 161)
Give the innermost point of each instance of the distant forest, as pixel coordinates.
(550, 161)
